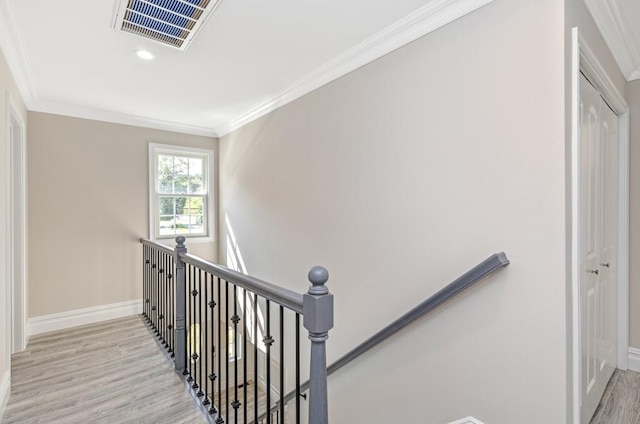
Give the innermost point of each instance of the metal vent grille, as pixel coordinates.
(170, 22)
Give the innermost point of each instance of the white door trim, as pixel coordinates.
(583, 59)
(16, 292)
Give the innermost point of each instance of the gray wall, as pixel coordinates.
(88, 205)
(633, 97)
(401, 176)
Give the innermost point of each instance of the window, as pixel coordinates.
(180, 192)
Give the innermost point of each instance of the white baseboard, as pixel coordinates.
(634, 359)
(54, 322)
(5, 391)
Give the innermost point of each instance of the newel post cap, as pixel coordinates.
(180, 241)
(318, 276)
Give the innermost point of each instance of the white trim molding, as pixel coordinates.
(429, 18)
(615, 26)
(5, 392)
(70, 319)
(434, 15)
(15, 54)
(634, 359)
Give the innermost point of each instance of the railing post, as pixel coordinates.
(318, 320)
(181, 302)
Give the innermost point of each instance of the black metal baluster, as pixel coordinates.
(219, 420)
(244, 351)
(255, 358)
(199, 362)
(154, 294)
(205, 348)
(145, 288)
(268, 341)
(191, 319)
(297, 368)
(165, 311)
(195, 338)
(226, 323)
(235, 319)
(281, 413)
(172, 306)
(212, 376)
(161, 296)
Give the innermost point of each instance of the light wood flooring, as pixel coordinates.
(112, 372)
(621, 401)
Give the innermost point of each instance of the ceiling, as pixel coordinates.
(618, 22)
(248, 59)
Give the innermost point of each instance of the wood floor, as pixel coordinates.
(621, 401)
(111, 372)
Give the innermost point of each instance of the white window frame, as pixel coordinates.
(155, 149)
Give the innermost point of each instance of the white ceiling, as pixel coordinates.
(248, 59)
(618, 21)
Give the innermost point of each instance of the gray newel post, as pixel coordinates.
(318, 320)
(181, 302)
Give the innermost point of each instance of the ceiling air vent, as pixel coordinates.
(171, 22)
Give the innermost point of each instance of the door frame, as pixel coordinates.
(17, 328)
(584, 60)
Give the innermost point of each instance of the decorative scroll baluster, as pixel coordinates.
(244, 352)
(219, 420)
(256, 401)
(235, 319)
(268, 341)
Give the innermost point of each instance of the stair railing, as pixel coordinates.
(471, 277)
(202, 313)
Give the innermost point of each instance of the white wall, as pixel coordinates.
(88, 206)
(398, 178)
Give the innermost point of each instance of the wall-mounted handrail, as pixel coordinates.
(477, 273)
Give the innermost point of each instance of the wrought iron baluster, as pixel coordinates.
(268, 341)
(205, 348)
(191, 323)
(255, 358)
(281, 413)
(297, 368)
(235, 319)
(244, 352)
(198, 360)
(226, 360)
(219, 420)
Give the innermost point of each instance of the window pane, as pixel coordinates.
(166, 226)
(165, 174)
(167, 205)
(182, 224)
(196, 178)
(195, 205)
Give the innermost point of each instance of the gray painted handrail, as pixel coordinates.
(162, 247)
(280, 295)
(477, 273)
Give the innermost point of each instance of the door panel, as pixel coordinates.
(598, 246)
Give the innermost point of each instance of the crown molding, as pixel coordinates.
(432, 16)
(436, 14)
(616, 31)
(15, 54)
(85, 112)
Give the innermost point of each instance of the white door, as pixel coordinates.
(598, 241)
